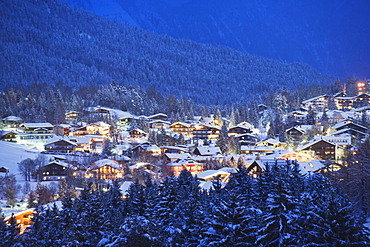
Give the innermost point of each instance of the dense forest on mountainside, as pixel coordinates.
(52, 42)
(320, 34)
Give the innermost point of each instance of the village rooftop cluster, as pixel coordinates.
(318, 143)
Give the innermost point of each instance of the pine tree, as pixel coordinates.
(9, 233)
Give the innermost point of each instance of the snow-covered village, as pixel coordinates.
(184, 123)
(204, 179)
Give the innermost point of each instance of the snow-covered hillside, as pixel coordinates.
(11, 154)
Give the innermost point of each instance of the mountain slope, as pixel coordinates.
(331, 36)
(50, 41)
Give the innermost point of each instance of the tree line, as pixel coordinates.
(280, 208)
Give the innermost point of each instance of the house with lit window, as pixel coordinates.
(247, 139)
(177, 166)
(158, 116)
(272, 142)
(35, 134)
(54, 171)
(105, 169)
(137, 133)
(346, 103)
(349, 127)
(206, 131)
(98, 128)
(207, 151)
(239, 130)
(182, 128)
(319, 103)
(8, 136)
(12, 121)
(323, 150)
(60, 146)
(159, 124)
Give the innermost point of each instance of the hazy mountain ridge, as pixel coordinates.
(319, 33)
(54, 42)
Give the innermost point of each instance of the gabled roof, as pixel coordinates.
(183, 149)
(58, 162)
(208, 150)
(312, 166)
(314, 98)
(313, 142)
(264, 162)
(296, 128)
(271, 141)
(138, 130)
(346, 130)
(240, 126)
(61, 140)
(80, 140)
(347, 122)
(104, 162)
(182, 123)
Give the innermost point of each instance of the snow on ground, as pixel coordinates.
(10, 155)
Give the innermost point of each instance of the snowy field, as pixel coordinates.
(10, 155)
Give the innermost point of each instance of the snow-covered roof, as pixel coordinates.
(37, 125)
(271, 141)
(175, 148)
(101, 124)
(256, 148)
(311, 166)
(182, 123)
(297, 128)
(108, 162)
(160, 121)
(345, 131)
(177, 156)
(118, 114)
(210, 174)
(158, 115)
(12, 118)
(314, 98)
(208, 150)
(64, 140)
(264, 162)
(346, 122)
(229, 170)
(240, 126)
(64, 125)
(340, 140)
(138, 130)
(81, 140)
(312, 142)
(58, 162)
(183, 162)
(138, 165)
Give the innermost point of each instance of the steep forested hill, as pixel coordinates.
(321, 33)
(50, 41)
